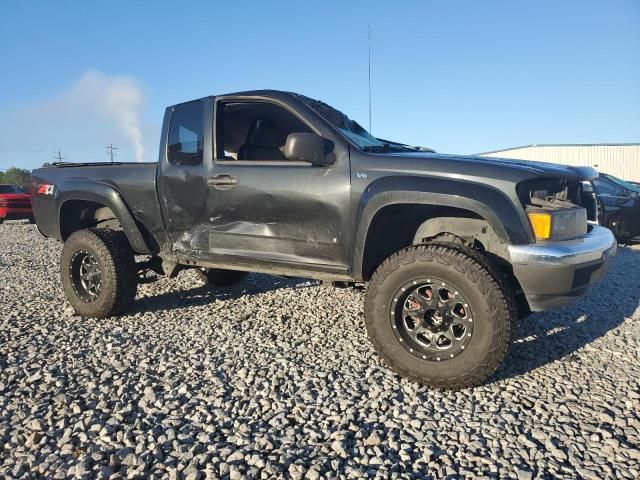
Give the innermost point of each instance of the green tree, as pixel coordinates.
(16, 176)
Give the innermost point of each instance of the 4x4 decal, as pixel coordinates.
(45, 189)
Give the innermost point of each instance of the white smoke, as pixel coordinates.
(94, 111)
(118, 99)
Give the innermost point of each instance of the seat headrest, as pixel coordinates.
(265, 134)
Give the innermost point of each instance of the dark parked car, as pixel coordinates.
(453, 247)
(620, 206)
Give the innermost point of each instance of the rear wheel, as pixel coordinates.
(439, 316)
(220, 277)
(98, 272)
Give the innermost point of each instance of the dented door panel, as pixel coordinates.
(281, 213)
(182, 191)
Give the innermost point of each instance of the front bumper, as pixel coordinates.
(556, 273)
(15, 213)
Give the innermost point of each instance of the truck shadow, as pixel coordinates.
(205, 294)
(544, 338)
(538, 340)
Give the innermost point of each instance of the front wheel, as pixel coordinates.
(439, 316)
(98, 272)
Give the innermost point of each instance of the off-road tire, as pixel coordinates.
(220, 277)
(501, 279)
(117, 267)
(489, 299)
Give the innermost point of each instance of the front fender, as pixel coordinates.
(489, 203)
(104, 194)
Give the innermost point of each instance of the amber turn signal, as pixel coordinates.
(541, 224)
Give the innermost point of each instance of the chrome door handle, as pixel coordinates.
(222, 180)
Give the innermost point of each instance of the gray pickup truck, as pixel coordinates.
(453, 248)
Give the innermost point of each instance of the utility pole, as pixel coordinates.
(111, 148)
(369, 41)
(59, 157)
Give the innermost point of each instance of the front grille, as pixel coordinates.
(19, 203)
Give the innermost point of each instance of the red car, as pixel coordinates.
(15, 204)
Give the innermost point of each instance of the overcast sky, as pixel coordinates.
(458, 76)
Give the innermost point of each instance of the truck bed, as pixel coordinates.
(134, 182)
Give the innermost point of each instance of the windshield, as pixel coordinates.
(10, 189)
(627, 185)
(354, 131)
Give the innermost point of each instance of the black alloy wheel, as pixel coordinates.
(85, 275)
(431, 319)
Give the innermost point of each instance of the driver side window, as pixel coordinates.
(254, 131)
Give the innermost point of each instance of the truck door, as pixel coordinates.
(266, 209)
(182, 184)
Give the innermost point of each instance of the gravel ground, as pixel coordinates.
(275, 378)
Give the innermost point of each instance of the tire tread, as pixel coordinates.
(480, 272)
(119, 270)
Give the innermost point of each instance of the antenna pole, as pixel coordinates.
(369, 41)
(111, 148)
(59, 157)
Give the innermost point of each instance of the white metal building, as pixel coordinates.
(619, 159)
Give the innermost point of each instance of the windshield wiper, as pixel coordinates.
(393, 146)
(385, 147)
(404, 146)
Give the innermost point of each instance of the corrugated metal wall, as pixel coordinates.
(623, 161)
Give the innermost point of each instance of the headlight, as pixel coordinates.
(558, 224)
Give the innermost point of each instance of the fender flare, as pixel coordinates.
(104, 194)
(487, 202)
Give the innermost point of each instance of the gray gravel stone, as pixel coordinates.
(276, 378)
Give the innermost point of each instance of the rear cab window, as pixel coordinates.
(185, 139)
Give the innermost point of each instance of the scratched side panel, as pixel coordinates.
(183, 196)
(283, 222)
(283, 213)
(182, 191)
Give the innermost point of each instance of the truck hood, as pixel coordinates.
(483, 166)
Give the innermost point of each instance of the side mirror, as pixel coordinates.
(308, 147)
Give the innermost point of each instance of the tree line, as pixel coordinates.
(16, 176)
